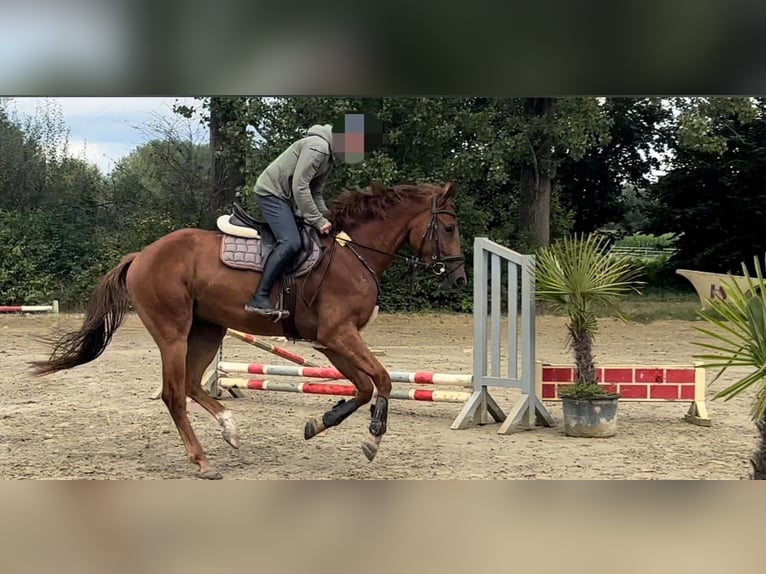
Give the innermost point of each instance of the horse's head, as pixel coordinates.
(434, 235)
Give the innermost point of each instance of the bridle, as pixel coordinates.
(438, 263)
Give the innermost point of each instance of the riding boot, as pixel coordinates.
(275, 265)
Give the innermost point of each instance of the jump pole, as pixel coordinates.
(52, 308)
(256, 342)
(322, 388)
(273, 349)
(418, 377)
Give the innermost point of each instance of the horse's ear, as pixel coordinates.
(377, 187)
(449, 191)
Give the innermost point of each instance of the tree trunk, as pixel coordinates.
(227, 177)
(582, 345)
(534, 209)
(759, 458)
(536, 174)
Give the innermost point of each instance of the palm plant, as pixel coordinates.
(740, 341)
(576, 276)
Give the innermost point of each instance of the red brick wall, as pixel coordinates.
(634, 383)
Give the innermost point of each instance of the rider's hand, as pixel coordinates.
(326, 228)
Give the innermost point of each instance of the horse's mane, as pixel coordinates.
(353, 206)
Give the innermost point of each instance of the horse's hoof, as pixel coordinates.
(210, 474)
(232, 439)
(313, 427)
(370, 449)
(230, 434)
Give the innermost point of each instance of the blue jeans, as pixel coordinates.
(281, 220)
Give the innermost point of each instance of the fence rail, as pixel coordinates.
(643, 252)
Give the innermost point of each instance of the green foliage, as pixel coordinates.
(658, 272)
(740, 337)
(73, 223)
(585, 390)
(478, 142)
(648, 240)
(399, 292)
(600, 186)
(45, 258)
(707, 124)
(713, 200)
(576, 273)
(163, 179)
(654, 254)
(637, 205)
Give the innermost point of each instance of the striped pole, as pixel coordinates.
(273, 349)
(256, 342)
(421, 377)
(318, 388)
(53, 308)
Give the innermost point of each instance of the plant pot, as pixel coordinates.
(592, 418)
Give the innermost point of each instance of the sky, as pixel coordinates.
(103, 130)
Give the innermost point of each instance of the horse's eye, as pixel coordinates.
(449, 228)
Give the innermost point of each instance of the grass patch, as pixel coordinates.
(662, 306)
(655, 305)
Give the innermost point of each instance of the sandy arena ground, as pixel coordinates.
(98, 422)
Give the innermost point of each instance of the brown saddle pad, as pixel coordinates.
(247, 253)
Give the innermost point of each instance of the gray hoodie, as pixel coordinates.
(299, 174)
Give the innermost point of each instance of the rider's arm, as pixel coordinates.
(305, 170)
(317, 192)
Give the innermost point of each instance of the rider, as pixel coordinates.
(292, 186)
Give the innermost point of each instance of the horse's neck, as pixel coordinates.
(388, 235)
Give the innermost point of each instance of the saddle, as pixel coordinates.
(246, 244)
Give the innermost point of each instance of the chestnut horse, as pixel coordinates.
(187, 298)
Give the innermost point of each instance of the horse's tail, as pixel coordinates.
(108, 305)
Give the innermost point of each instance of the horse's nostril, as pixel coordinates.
(461, 281)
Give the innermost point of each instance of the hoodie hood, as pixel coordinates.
(324, 132)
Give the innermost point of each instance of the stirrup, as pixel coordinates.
(279, 314)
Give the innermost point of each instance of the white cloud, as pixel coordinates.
(89, 107)
(78, 108)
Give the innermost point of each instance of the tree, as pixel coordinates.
(161, 186)
(575, 276)
(22, 165)
(227, 138)
(537, 171)
(712, 197)
(606, 185)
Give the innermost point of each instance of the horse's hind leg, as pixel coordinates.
(360, 366)
(202, 346)
(169, 326)
(174, 396)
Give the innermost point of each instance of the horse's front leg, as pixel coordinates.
(343, 408)
(349, 354)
